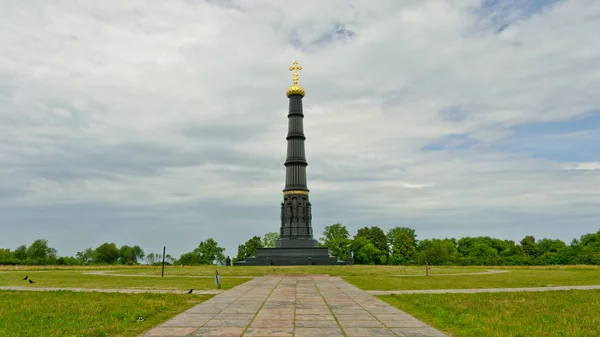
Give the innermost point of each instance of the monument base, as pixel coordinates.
(296, 256)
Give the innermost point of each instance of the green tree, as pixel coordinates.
(85, 257)
(590, 248)
(550, 246)
(251, 246)
(269, 239)
(403, 243)
(207, 252)
(153, 258)
(138, 252)
(377, 238)
(241, 253)
(438, 252)
(337, 239)
(530, 246)
(106, 253)
(40, 252)
(6, 256)
(21, 253)
(365, 252)
(334, 232)
(127, 255)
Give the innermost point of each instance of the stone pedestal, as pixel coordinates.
(300, 256)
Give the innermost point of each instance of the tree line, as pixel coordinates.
(370, 245)
(40, 253)
(399, 246)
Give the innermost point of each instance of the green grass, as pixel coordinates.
(259, 271)
(287, 270)
(553, 313)
(516, 277)
(64, 313)
(364, 277)
(76, 279)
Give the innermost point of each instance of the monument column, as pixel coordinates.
(296, 213)
(295, 245)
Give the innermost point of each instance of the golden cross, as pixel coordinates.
(294, 68)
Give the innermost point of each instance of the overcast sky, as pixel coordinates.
(164, 123)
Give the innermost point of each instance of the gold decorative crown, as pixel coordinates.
(295, 89)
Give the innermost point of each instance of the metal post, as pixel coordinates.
(162, 274)
(426, 264)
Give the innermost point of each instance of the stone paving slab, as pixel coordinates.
(294, 306)
(482, 290)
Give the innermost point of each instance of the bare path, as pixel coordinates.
(482, 290)
(311, 306)
(110, 273)
(126, 290)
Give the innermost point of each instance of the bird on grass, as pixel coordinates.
(30, 281)
(25, 278)
(189, 292)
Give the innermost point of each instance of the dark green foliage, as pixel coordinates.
(337, 239)
(106, 253)
(403, 243)
(437, 252)
(370, 246)
(530, 246)
(241, 253)
(269, 239)
(207, 252)
(251, 246)
(400, 246)
(376, 236)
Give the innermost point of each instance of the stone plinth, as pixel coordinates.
(299, 256)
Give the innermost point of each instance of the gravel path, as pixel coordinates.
(482, 290)
(487, 272)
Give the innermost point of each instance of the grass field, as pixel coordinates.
(76, 279)
(364, 277)
(517, 277)
(63, 313)
(554, 313)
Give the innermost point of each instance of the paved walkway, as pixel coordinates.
(482, 290)
(312, 306)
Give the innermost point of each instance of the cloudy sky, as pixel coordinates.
(164, 123)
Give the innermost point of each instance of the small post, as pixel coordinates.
(426, 264)
(309, 261)
(162, 274)
(217, 279)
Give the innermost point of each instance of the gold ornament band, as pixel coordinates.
(295, 192)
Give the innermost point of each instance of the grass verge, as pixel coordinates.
(65, 313)
(554, 313)
(76, 279)
(515, 278)
(356, 270)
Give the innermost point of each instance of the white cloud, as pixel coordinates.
(184, 102)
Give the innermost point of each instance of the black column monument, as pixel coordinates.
(296, 245)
